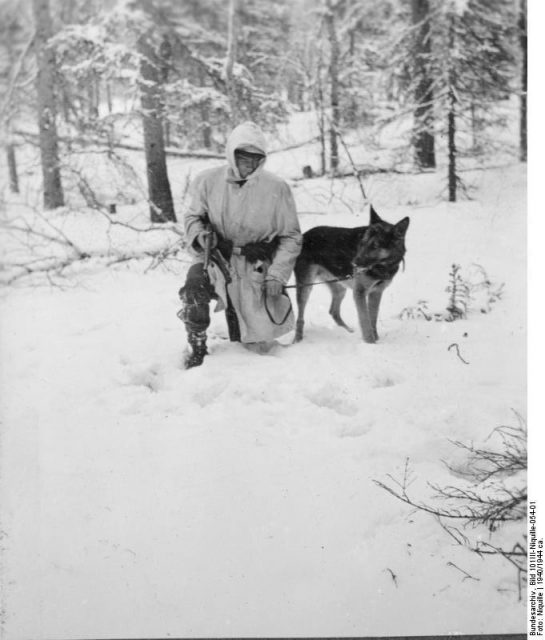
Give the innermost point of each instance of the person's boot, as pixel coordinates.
(197, 342)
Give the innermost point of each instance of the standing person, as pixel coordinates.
(248, 215)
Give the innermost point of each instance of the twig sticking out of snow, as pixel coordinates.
(467, 576)
(394, 577)
(455, 345)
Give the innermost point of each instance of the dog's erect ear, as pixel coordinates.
(402, 226)
(374, 218)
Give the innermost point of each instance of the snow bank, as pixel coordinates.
(238, 498)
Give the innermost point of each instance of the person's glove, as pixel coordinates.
(273, 288)
(201, 239)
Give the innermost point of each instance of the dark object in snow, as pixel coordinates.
(308, 172)
(112, 208)
(364, 259)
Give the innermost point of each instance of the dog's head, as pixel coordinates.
(382, 247)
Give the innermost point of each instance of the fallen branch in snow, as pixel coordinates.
(38, 245)
(506, 506)
(298, 145)
(49, 267)
(495, 494)
(104, 145)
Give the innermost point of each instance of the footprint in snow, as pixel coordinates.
(206, 396)
(335, 399)
(356, 430)
(149, 377)
(383, 381)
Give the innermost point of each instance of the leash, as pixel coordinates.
(293, 286)
(349, 277)
(290, 309)
(312, 284)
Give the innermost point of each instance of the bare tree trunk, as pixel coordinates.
(321, 122)
(45, 87)
(165, 57)
(473, 117)
(93, 97)
(109, 100)
(160, 195)
(12, 164)
(4, 108)
(451, 137)
(334, 85)
(451, 120)
(351, 114)
(205, 116)
(423, 137)
(65, 102)
(232, 37)
(523, 39)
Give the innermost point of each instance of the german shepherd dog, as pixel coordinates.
(364, 259)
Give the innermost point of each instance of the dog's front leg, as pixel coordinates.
(374, 298)
(302, 294)
(360, 299)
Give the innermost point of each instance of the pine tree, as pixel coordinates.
(472, 64)
(450, 69)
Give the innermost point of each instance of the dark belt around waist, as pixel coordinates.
(253, 251)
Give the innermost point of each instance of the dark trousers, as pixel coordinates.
(196, 295)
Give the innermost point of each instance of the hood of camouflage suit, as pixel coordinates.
(246, 136)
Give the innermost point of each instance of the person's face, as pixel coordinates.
(247, 164)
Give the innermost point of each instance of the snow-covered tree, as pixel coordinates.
(154, 49)
(473, 67)
(330, 21)
(423, 134)
(14, 47)
(47, 106)
(265, 33)
(465, 69)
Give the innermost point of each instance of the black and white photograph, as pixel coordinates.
(264, 320)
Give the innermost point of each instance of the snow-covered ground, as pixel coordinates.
(238, 498)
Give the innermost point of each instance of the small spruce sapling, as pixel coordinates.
(458, 291)
(474, 291)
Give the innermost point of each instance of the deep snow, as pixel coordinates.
(237, 499)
